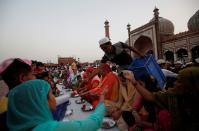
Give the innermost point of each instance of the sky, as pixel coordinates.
(44, 30)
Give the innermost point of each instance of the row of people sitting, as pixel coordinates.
(141, 104)
(134, 104)
(30, 102)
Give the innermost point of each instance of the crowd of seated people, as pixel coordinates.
(133, 104)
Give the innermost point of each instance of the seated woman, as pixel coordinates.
(181, 101)
(46, 76)
(82, 85)
(14, 72)
(92, 83)
(30, 106)
(89, 85)
(109, 82)
(127, 94)
(144, 114)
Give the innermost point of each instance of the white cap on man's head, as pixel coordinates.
(161, 61)
(104, 40)
(197, 60)
(179, 62)
(168, 62)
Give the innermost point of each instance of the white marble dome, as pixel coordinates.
(193, 23)
(166, 27)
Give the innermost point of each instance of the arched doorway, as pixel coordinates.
(195, 52)
(169, 56)
(182, 55)
(144, 45)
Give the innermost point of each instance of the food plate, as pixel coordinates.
(58, 94)
(108, 123)
(75, 95)
(67, 90)
(80, 101)
(87, 107)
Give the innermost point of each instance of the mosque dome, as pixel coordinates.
(193, 23)
(166, 27)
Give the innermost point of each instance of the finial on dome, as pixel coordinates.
(156, 11)
(106, 22)
(128, 26)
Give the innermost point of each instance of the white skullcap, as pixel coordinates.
(168, 62)
(104, 40)
(179, 62)
(197, 60)
(161, 61)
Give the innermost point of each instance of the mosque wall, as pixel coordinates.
(149, 32)
(187, 42)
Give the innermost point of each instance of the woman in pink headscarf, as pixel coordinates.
(14, 71)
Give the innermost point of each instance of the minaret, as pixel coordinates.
(159, 45)
(129, 35)
(106, 23)
(129, 30)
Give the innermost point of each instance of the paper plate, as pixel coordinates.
(80, 101)
(67, 90)
(60, 94)
(76, 95)
(108, 123)
(87, 108)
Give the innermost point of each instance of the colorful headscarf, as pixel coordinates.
(28, 105)
(5, 64)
